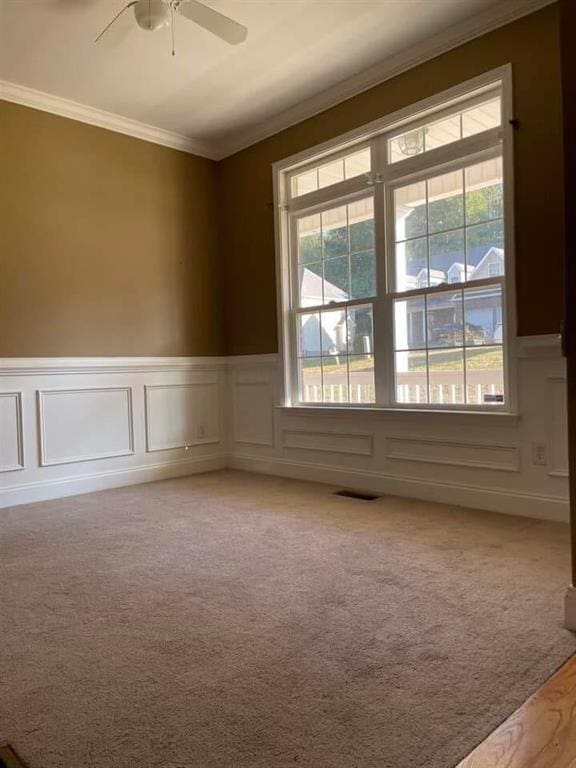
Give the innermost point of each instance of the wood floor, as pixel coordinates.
(541, 734)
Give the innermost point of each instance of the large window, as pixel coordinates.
(394, 264)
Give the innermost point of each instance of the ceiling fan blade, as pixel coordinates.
(214, 22)
(119, 31)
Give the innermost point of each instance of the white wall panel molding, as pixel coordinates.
(557, 440)
(11, 432)
(181, 415)
(545, 345)
(454, 457)
(474, 459)
(469, 453)
(494, 498)
(53, 366)
(356, 443)
(85, 424)
(253, 412)
(73, 485)
(570, 609)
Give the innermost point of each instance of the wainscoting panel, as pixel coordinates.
(454, 453)
(85, 424)
(11, 432)
(75, 425)
(182, 415)
(359, 444)
(479, 460)
(558, 427)
(253, 413)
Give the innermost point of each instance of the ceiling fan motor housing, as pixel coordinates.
(152, 14)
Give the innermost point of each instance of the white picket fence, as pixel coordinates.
(406, 393)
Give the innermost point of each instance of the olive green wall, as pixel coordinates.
(108, 244)
(532, 46)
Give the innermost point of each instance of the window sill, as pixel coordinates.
(502, 417)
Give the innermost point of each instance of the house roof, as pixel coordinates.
(311, 286)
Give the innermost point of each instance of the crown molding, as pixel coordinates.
(502, 13)
(497, 16)
(29, 97)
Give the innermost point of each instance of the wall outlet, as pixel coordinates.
(539, 454)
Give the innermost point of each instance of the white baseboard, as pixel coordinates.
(493, 499)
(74, 486)
(570, 606)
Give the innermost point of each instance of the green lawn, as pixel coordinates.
(477, 358)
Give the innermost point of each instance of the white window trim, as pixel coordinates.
(396, 122)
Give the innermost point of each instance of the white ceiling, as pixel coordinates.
(219, 95)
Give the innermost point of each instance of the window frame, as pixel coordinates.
(458, 154)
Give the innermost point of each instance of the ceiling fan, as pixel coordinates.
(152, 15)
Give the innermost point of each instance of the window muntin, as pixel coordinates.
(435, 228)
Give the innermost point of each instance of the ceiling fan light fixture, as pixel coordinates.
(152, 14)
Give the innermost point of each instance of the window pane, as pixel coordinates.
(304, 183)
(363, 275)
(361, 379)
(410, 323)
(447, 256)
(358, 163)
(333, 332)
(361, 223)
(309, 335)
(410, 377)
(485, 250)
(484, 188)
(444, 312)
(483, 314)
(410, 211)
(439, 133)
(309, 239)
(332, 173)
(360, 331)
(311, 285)
(485, 375)
(325, 241)
(336, 275)
(412, 264)
(446, 202)
(446, 376)
(481, 118)
(335, 379)
(334, 232)
(444, 132)
(310, 374)
(406, 145)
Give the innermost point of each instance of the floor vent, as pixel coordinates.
(9, 758)
(357, 495)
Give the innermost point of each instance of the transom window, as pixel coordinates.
(394, 264)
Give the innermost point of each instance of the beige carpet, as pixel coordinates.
(234, 621)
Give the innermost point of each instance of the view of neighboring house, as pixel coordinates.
(481, 314)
